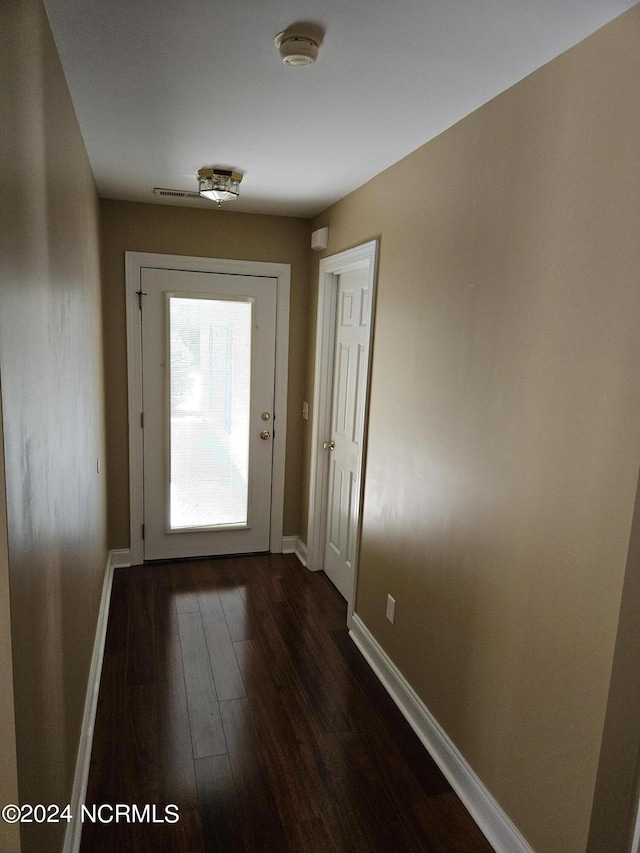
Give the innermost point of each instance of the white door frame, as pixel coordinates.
(365, 255)
(134, 262)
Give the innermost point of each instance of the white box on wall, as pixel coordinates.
(320, 239)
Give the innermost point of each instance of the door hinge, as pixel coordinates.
(140, 294)
(141, 420)
(143, 531)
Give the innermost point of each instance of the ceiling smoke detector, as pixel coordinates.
(299, 47)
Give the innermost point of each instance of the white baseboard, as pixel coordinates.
(74, 828)
(121, 558)
(501, 833)
(301, 552)
(294, 545)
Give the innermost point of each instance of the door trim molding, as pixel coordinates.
(134, 263)
(365, 256)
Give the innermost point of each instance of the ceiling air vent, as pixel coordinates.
(175, 193)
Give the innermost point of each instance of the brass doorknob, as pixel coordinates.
(265, 435)
(329, 445)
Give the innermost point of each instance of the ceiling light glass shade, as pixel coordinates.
(219, 184)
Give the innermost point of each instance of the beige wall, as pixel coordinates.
(504, 440)
(132, 227)
(53, 414)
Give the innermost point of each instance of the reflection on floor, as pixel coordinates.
(231, 689)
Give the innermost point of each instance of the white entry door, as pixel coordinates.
(353, 311)
(208, 366)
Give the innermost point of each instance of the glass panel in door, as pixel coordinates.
(209, 397)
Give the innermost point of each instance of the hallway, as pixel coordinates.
(231, 689)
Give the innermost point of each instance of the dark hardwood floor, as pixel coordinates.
(231, 688)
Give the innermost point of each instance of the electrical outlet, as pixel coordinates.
(391, 609)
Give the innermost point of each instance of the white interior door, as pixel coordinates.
(353, 311)
(208, 366)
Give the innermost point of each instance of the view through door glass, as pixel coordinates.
(210, 395)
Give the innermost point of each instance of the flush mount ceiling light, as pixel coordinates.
(219, 184)
(299, 44)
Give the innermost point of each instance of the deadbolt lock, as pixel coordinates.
(265, 416)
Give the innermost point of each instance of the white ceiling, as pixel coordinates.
(163, 88)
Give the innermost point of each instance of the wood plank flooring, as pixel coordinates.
(231, 688)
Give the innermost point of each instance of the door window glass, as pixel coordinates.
(209, 343)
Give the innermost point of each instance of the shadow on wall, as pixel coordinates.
(617, 785)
